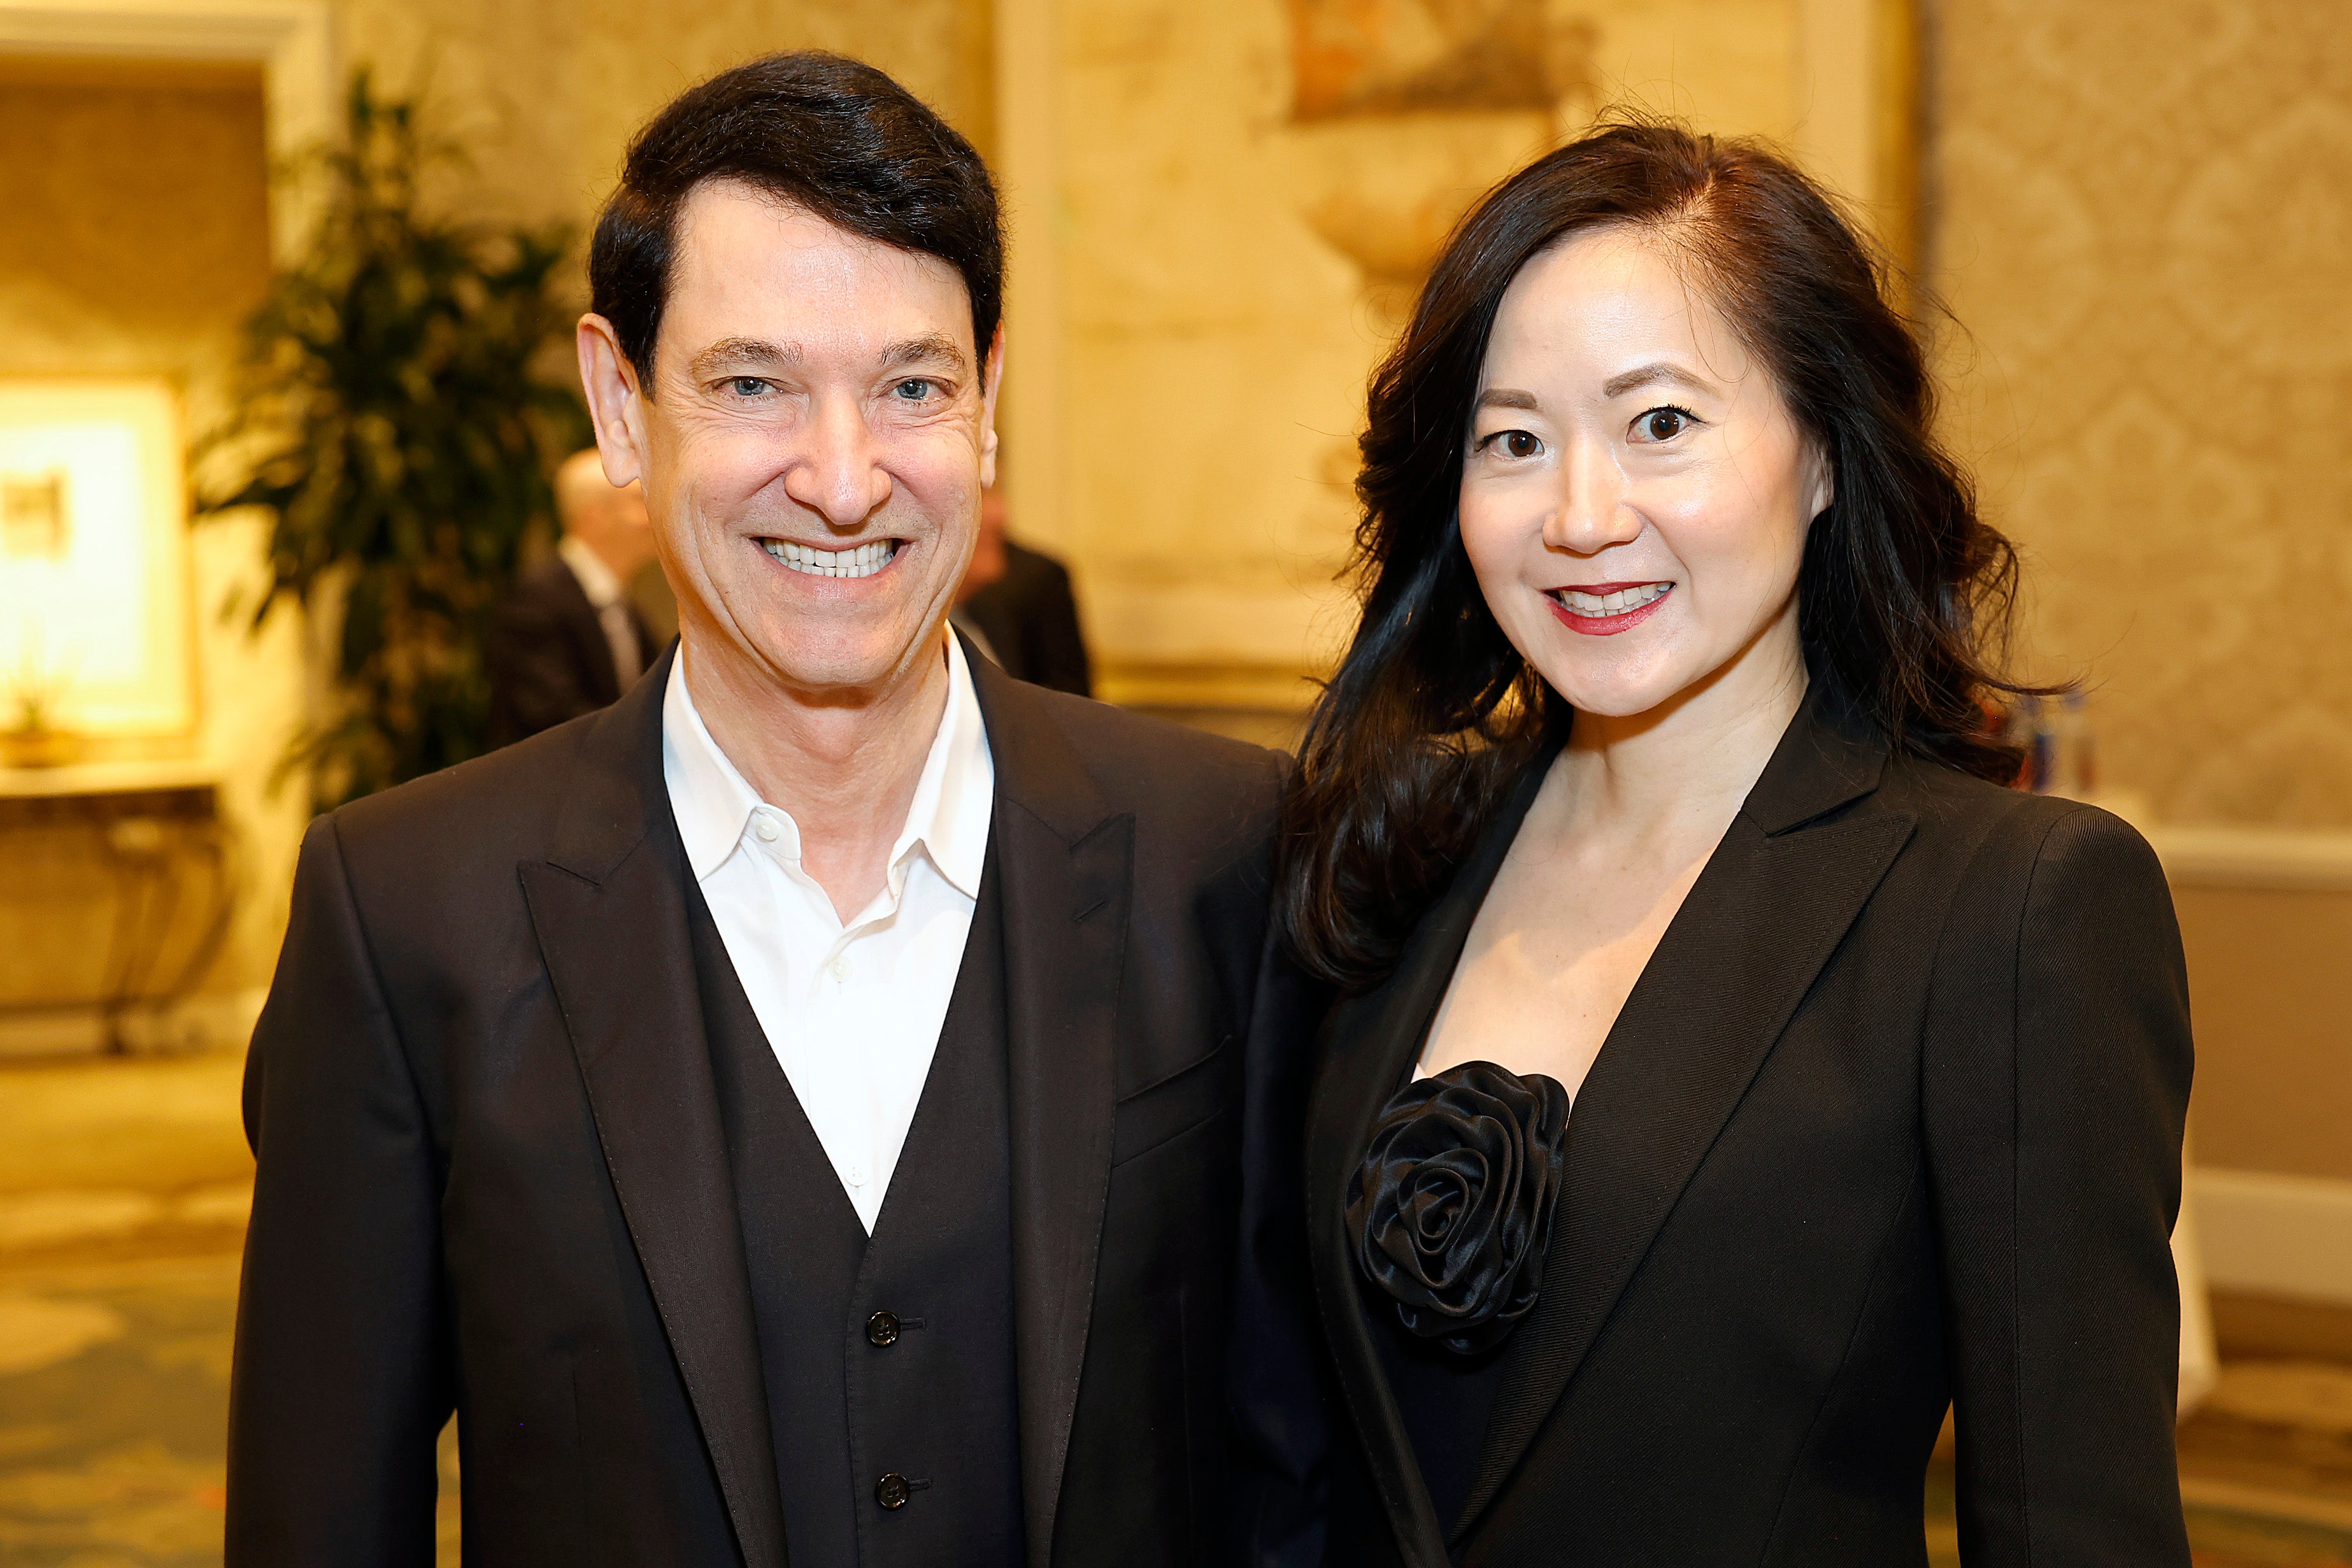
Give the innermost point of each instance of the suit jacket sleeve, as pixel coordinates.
(341, 1379)
(2057, 1081)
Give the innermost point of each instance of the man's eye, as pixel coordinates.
(1514, 444)
(747, 386)
(915, 389)
(1662, 425)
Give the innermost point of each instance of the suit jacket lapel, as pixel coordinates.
(609, 906)
(1066, 863)
(1363, 1051)
(1769, 908)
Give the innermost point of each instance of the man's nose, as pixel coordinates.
(838, 472)
(1589, 511)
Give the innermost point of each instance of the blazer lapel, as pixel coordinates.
(609, 906)
(1066, 863)
(1363, 1051)
(1769, 908)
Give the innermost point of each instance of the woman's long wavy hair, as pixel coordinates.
(1903, 595)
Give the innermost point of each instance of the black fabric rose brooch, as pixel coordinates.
(1451, 1209)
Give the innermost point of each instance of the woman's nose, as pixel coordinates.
(1589, 511)
(839, 473)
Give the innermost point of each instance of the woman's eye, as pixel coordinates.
(1514, 444)
(1662, 425)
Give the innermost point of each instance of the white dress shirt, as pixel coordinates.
(607, 593)
(853, 1011)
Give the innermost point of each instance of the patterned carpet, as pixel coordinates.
(117, 1297)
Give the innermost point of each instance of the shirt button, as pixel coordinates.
(767, 830)
(882, 1329)
(891, 1490)
(854, 1176)
(840, 969)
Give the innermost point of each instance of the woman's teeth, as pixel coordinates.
(863, 562)
(1581, 604)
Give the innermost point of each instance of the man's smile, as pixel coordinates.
(858, 561)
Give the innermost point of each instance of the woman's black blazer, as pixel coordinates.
(1891, 1119)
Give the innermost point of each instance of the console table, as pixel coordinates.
(117, 884)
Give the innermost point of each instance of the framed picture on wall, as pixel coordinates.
(95, 614)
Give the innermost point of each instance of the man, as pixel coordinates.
(806, 1110)
(1017, 603)
(566, 641)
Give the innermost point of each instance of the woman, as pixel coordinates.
(1655, 784)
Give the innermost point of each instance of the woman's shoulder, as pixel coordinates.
(2003, 836)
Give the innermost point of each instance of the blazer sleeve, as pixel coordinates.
(341, 1378)
(2056, 1084)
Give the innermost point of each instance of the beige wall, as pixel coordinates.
(2271, 991)
(2142, 217)
(1239, 197)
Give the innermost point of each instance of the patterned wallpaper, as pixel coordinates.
(2142, 217)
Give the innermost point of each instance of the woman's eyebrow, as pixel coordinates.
(1654, 374)
(1508, 397)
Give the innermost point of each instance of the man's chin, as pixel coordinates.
(849, 668)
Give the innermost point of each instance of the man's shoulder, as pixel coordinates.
(1122, 746)
(488, 811)
(1197, 796)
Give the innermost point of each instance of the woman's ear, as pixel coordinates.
(1821, 481)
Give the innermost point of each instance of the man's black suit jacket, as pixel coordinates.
(492, 1174)
(547, 658)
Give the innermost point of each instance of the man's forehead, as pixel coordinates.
(759, 275)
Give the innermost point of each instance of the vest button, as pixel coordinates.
(882, 1329)
(891, 1490)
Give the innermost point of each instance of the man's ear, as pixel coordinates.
(615, 405)
(992, 378)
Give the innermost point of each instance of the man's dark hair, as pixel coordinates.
(831, 135)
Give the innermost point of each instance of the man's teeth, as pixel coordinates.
(863, 562)
(1616, 604)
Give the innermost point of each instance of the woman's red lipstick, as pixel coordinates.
(1606, 626)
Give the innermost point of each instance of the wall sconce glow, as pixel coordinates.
(94, 614)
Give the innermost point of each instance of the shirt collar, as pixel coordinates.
(599, 582)
(948, 819)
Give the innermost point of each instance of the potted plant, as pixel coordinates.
(399, 408)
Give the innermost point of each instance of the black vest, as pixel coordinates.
(888, 1360)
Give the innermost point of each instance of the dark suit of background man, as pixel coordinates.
(1017, 603)
(566, 640)
(805, 1111)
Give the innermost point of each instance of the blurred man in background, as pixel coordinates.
(567, 641)
(1016, 605)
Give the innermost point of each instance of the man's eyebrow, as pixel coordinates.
(1655, 374)
(932, 348)
(735, 353)
(1508, 397)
